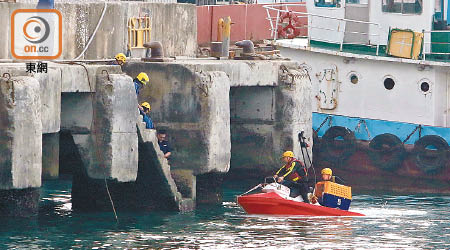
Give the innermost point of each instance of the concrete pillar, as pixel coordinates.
(50, 156)
(110, 150)
(186, 182)
(209, 188)
(20, 145)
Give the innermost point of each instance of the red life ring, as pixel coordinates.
(291, 30)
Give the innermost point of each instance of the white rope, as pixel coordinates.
(256, 187)
(93, 34)
(110, 199)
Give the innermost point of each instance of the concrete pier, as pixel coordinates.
(215, 113)
(80, 118)
(268, 105)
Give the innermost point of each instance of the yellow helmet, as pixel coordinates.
(288, 154)
(327, 171)
(147, 105)
(121, 57)
(143, 77)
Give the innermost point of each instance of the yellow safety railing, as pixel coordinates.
(139, 30)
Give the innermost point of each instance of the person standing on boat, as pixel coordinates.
(294, 175)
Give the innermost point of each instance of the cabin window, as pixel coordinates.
(403, 6)
(389, 83)
(328, 3)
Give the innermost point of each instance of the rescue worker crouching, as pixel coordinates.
(294, 175)
(121, 59)
(140, 81)
(144, 110)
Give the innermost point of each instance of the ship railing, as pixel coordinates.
(440, 46)
(274, 20)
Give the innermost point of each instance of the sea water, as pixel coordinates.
(391, 222)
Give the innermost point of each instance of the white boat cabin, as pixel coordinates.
(368, 22)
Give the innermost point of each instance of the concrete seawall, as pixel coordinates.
(173, 24)
(83, 119)
(217, 112)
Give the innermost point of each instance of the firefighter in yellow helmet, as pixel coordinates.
(139, 82)
(294, 175)
(144, 110)
(121, 59)
(327, 175)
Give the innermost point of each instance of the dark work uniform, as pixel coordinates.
(296, 178)
(164, 146)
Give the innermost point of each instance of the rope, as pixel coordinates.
(419, 127)
(95, 31)
(106, 183)
(328, 117)
(358, 126)
(254, 188)
(110, 199)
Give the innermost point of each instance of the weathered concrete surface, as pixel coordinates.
(80, 20)
(268, 111)
(19, 202)
(76, 112)
(50, 156)
(50, 93)
(174, 25)
(20, 133)
(165, 190)
(81, 78)
(268, 120)
(110, 151)
(186, 182)
(190, 105)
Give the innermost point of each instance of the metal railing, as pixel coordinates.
(284, 8)
(427, 48)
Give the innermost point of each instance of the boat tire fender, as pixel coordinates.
(336, 150)
(386, 151)
(431, 161)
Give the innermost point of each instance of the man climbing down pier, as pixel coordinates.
(140, 81)
(144, 110)
(163, 143)
(294, 175)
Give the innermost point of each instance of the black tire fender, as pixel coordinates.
(431, 161)
(386, 151)
(341, 149)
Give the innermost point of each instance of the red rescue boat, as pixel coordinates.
(274, 200)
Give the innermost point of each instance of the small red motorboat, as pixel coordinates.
(274, 200)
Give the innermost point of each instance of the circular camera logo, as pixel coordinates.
(36, 34)
(36, 29)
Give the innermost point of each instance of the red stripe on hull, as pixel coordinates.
(273, 204)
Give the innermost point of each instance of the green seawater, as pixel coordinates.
(392, 222)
